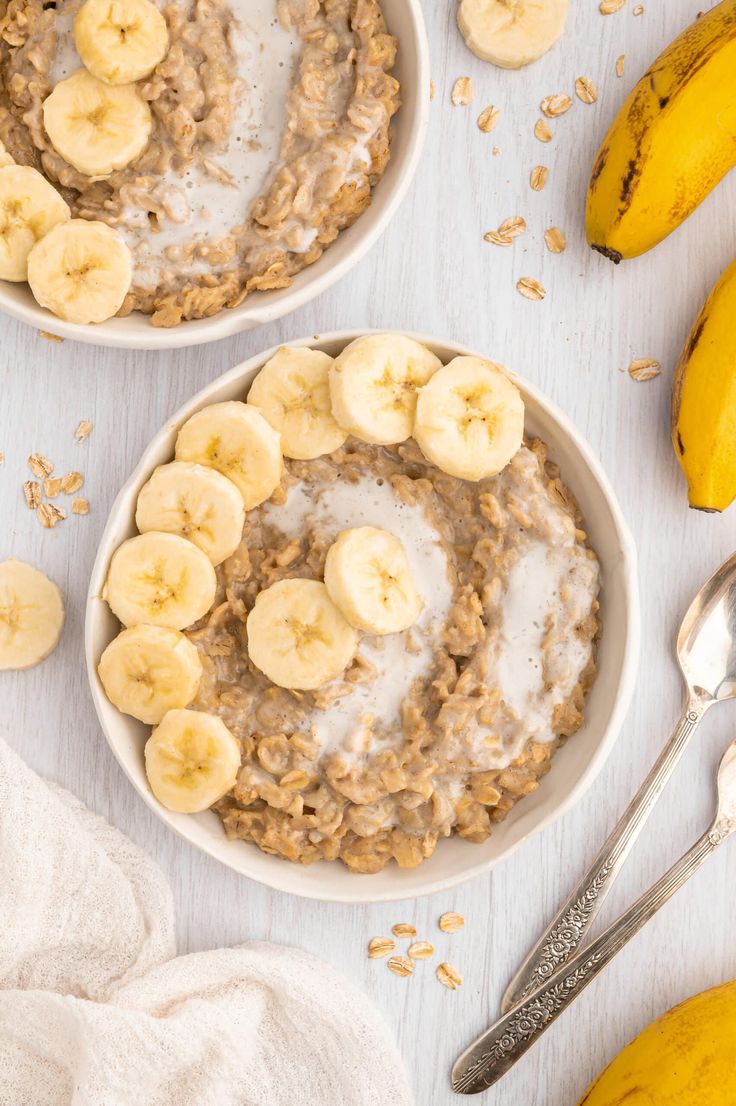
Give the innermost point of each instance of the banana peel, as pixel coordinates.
(670, 144)
(704, 401)
(685, 1058)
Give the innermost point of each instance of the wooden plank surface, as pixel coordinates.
(432, 272)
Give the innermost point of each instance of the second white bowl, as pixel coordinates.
(574, 767)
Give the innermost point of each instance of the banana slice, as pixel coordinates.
(81, 270)
(373, 386)
(31, 615)
(235, 439)
(511, 33)
(192, 760)
(195, 501)
(470, 419)
(97, 127)
(292, 390)
(120, 41)
(5, 158)
(29, 208)
(148, 670)
(367, 575)
(160, 579)
(298, 637)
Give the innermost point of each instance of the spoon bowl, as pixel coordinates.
(706, 643)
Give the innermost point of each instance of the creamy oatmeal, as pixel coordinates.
(434, 731)
(270, 125)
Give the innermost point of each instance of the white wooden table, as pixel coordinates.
(433, 272)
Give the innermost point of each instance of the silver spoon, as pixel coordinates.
(706, 652)
(504, 1043)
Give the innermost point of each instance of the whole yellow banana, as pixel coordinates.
(671, 142)
(704, 401)
(685, 1058)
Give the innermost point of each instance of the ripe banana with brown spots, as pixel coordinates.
(704, 401)
(671, 142)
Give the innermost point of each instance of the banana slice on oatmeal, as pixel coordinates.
(149, 670)
(159, 579)
(367, 575)
(195, 501)
(374, 384)
(29, 208)
(192, 760)
(298, 637)
(97, 127)
(293, 392)
(31, 615)
(470, 419)
(80, 270)
(235, 439)
(120, 41)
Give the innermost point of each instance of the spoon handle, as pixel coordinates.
(504, 1043)
(567, 930)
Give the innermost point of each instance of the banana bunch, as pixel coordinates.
(671, 142)
(685, 1058)
(704, 401)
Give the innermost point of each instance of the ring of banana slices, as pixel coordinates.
(467, 418)
(98, 122)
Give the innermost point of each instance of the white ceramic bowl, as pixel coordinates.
(405, 21)
(574, 767)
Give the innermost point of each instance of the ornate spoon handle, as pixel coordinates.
(504, 1043)
(567, 930)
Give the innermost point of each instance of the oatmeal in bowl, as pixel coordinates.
(385, 614)
(224, 146)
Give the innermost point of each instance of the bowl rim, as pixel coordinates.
(358, 890)
(118, 334)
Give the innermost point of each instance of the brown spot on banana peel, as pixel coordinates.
(680, 444)
(695, 335)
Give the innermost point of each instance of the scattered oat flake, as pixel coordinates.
(432, 90)
(620, 61)
(608, 7)
(497, 238)
(421, 950)
(377, 946)
(462, 92)
(32, 492)
(2, 458)
(83, 430)
(538, 177)
(638, 10)
(552, 106)
(450, 977)
(71, 483)
(513, 227)
(49, 514)
(450, 922)
(49, 336)
(404, 929)
(80, 507)
(496, 151)
(530, 288)
(585, 90)
(52, 486)
(644, 368)
(555, 240)
(542, 131)
(401, 965)
(488, 118)
(39, 465)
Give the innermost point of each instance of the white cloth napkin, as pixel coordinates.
(96, 1009)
